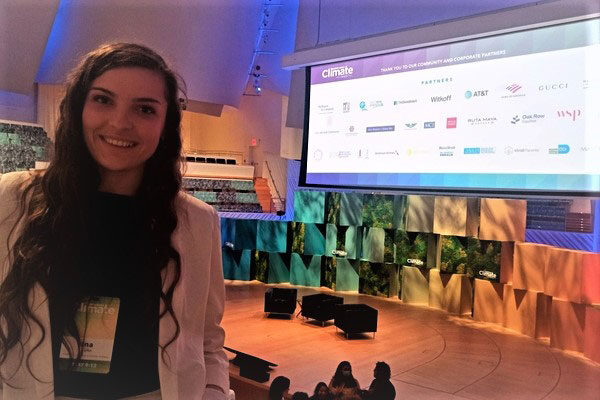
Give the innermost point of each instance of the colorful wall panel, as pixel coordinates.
(245, 234)
(529, 269)
(279, 268)
(236, 264)
(378, 279)
(305, 270)
(346, 279)
(503, 220)
(567, 325)
(309, 206)
(488, 305)
(419, 215)
(415, 287)
(351, 205)
(272, 236)
(373, 242)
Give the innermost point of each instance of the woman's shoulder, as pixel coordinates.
(194, 208)
(12, 184)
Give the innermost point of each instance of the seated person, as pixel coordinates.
(381, 388)
(343, 385)
(321, 392)
(300, 396)
(279, 388)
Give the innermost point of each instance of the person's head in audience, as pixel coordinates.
(279, 388)
(382, 371)
(300, 396)
(321, 391)
(343, 375)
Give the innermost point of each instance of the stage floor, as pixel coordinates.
(432, 354)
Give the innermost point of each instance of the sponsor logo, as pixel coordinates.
(318, 155)
(362, 105)
(441, 99)
(515, 119)
(571, 114)
(530, 118)
(404, 101)
(372, 104)
(325, 109)
(383, 128)
(339, 253)
(376, 104)
(346, 107)
(552, 86)
(511, 150)
(476, 93)
(447, 151)
(418, 151)
(479, 150)
(514, 90)
(335, 72)
(561, 149)
(586, 84)
(451, 123)
(429, 125)
(410, 126)
(476, 121)
(436, 81)
(487, 274)
(351, 128)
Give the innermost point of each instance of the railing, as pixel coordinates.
(279, 198)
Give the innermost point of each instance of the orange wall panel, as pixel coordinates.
(567, 325)
(563, 273)
(503, 219)
(529, 266)
(591, 342)
(488, 304)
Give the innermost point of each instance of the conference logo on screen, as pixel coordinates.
(451, 123)
(337, 72)
(560, 149)
(573, 115)
(513, 90)
(552, 86)
(469, 94)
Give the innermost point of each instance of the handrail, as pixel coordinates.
(281, 200)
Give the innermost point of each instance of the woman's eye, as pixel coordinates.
(100, 98)
(147, 110)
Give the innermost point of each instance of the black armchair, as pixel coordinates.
(356, 318)
(280, 300)
(320, 306)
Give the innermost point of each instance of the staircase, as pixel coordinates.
(263, 192)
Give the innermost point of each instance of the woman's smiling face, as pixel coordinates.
(123, 119)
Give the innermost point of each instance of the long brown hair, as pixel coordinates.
(55, 209)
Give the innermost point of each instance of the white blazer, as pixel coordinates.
(195, 359)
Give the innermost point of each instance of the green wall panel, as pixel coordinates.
(296, 233)
(245, 234)
(353, 242)
(314, 239)
(466, 255)
(332, 207)
(279, 268)
(309, 206)
(400, 212)
(227, 230)
(378, 211)
(351, 205)
(272, 236)
(373, 244)
(378, 279)
(305, 270)
(331, 239)
(260, 267)
(236, 264)
(409, 245)
(328, 273)
(346, 279)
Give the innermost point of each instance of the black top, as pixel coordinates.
(382, 389)
(114, 266)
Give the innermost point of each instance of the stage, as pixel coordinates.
(432, 354)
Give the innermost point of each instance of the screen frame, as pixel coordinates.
(519, 193)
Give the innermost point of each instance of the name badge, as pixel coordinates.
(96, 321)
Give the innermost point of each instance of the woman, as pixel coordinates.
(343, 385)
(280, 388)
(321, 392)
(111, 279)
